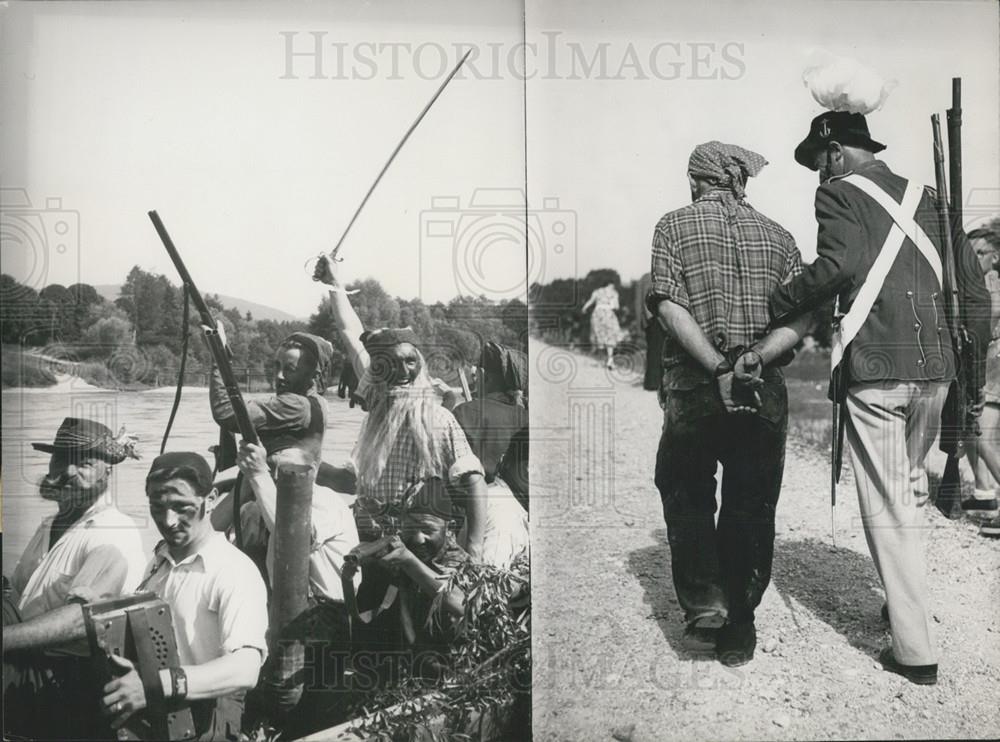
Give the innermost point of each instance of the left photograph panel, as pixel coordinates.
(265, 382)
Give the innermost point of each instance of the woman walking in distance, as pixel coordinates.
(605, 331)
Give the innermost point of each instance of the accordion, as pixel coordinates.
(140, 628)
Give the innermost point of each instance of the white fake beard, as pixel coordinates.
(844, 84)
(408, 410)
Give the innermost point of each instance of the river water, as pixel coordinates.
(31, 415)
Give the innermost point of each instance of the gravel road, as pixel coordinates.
(609, 662)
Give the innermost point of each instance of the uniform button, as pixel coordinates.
(916, 325)
(934, 294)
(920, 363)
(909, 293)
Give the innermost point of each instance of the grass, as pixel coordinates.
(21, 370)
(810, 412)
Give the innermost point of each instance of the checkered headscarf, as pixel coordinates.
(727, 166)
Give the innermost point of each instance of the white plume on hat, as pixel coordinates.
(844, 84)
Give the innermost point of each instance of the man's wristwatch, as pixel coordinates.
(174, 682)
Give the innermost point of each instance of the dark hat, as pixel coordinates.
(429, 496)
(321, 350)
(850, 129)
(186, 465)
(90, 437)
(380, 340)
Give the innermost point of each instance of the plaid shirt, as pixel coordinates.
(402, 469)
(723, 272)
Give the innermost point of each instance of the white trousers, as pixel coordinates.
(891, 427)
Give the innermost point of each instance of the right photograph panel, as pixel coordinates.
(764, 310)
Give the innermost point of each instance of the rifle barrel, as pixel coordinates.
(219, 351)
(955, 150)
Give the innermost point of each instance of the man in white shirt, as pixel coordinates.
(218, 601)
(88, 550)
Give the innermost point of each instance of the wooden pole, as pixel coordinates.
(283, 683)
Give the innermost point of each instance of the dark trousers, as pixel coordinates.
(721, 569)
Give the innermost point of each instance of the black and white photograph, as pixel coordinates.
(760, 506)
(265, 426)
(277, 278)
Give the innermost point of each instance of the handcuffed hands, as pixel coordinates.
(124, 695)
(733, 395)
(739, 388)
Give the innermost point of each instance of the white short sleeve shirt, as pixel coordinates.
(217, 597)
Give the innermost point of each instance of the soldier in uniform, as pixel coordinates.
(880, 255)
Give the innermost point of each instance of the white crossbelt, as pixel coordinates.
(903, 227)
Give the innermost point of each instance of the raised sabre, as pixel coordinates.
(413, 126)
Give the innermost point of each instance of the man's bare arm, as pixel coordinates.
(50, 629)
(682, 326)
(782, 339)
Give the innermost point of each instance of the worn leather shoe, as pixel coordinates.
(701, 633)
(735, 644)
(919, 674)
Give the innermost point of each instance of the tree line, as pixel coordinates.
(138, 336)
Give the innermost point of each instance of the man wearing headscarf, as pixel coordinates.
(715, 263)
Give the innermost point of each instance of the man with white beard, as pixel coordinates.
(408, 436)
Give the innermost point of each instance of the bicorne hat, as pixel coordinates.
(850, 129)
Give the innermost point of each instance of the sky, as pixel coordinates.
(615, 151)
(256, 160)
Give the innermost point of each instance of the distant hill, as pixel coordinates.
(110, 292)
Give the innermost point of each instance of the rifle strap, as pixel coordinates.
(902, 228)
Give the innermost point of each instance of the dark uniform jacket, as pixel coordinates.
(906, 335)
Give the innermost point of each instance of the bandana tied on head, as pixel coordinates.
(429, 497)
(321, 350)
(727, 166)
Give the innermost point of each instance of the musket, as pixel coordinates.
(413, 126)
(956, 422)
(954, 115)
(219, 351)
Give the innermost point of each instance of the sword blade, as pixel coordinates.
(413, 126)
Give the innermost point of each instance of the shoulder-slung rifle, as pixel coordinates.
(957, 422)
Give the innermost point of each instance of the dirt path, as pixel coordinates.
(608, 656)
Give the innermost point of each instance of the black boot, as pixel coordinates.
(735, 643)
